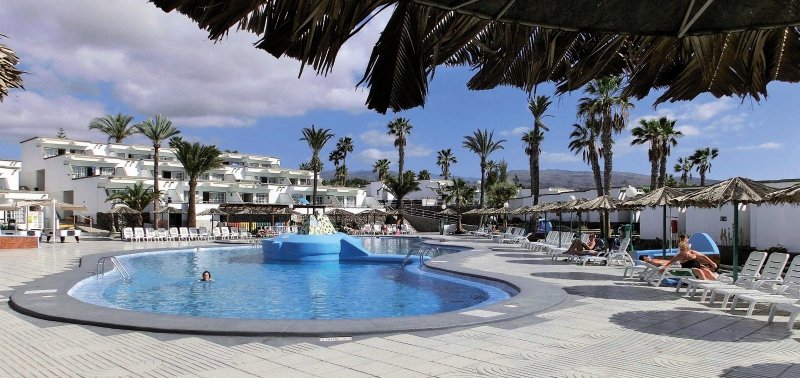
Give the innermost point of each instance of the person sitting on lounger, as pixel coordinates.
(580, 248)
(700, 264)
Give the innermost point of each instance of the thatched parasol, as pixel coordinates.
(120, 209)
(604, 204)
(10, 76)
(214, 211)
(475, 211)
(521, 210)
(169, 210)
(373, 213)
(683, 46)
(448, 211)
(659, 197)
(785, 195)
(735, 190)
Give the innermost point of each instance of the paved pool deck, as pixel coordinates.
(606, 327)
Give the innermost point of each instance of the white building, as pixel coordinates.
(429, 194)
(86, 173)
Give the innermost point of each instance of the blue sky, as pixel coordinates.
(94, 57)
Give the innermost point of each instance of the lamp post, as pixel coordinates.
(505, 219)
(441, 220)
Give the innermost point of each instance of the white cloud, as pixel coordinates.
(762, 146)
(28, 114)
(370, 155)
(688, 130)
(708, 110)
(376, 138)
(140, 60)
(559, 157)
(417, 151)
(516, 132)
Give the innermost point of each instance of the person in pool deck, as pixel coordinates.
(580, 248)
(700, 264)
(206, 276)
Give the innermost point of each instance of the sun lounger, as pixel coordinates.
(127, 234)
(138, 234)
(771, 273)
(174, 234)
(792, 309)
(184, 233)
(750, 270)
(607, 258)
(767, 291)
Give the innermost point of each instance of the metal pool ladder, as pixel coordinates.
(101, 267)
(424, 251)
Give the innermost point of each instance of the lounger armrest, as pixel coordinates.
(764, 283)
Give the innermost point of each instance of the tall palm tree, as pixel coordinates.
(444, 159)
(459, 194)
(336, 157)
(136, 197)
(648, 133)
(117, 127)
(684, 166)
(197, 159)
(608, 111)
(340, 173)
(400, 128)
(344, 146)
(316, 139)
(424, 175)
(482, 143)
(157, 130)
(701, 159)
(533, 148)
(583, 140)
(668, 140)
(400, 187)
(381, 167)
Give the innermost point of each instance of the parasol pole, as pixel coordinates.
(53, 221)
(735, 239)
(559, 230)
(663, 235)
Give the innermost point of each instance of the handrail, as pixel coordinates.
(101, 267)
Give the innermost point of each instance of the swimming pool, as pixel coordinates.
(246, 286)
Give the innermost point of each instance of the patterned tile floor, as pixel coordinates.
(608, 328)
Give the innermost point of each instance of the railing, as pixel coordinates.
(101, 268)
(422, 252)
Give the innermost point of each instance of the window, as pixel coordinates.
(254, 165)
(106, 171)
(261, 198)
(214, 197)
(50, 152)
(213, 176)
(174, 175)
(269, 180)
(81, 172)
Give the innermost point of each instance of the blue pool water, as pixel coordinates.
(246, 286)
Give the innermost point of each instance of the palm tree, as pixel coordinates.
(533, 148)
(340, 173)
(381, 167)
(483, 144)
(701, 159)
(444, 159)
(136, 197)
(648, 132)
(335, 156)
(424, 175)
(316, 139)
(117, 127)
(608, 112)
(157, 130)
(197, 159)
(344, 146)
(583, 140)
(684, 166)
(400, 128)
(460, 194)
(668, 140)
(400, 187)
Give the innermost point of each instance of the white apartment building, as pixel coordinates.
(429, 194)
(86, 173)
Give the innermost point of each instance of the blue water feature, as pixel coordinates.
(248, 285)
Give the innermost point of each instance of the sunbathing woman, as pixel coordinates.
(580, 248)
(692, 259)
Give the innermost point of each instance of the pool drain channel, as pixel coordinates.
(337, 338)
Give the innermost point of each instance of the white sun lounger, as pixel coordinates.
(750, 270)
(773, 269)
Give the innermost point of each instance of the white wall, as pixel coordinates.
(772, 225)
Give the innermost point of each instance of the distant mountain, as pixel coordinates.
(547, 178)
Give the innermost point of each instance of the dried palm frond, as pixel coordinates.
(722, 47)
(10, 75)
(737, 189)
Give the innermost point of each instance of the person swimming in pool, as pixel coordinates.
(206, 276)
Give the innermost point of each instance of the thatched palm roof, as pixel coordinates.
(10, 75)
(448, 211)
(605, 202)
(212, 211)
(659, 197)
(737, 189)
(170, 210)
(786, 195)
(724, 47)
(338, 211)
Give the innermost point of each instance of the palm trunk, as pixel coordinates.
(155, 182)
(344, 164)
(662, 173)
(598, 181)
(314, 192)
(653, 174)
(192, 216)
(532, 171)
(401, 158)
(608, 160)
(702, 176)
(483, 178)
